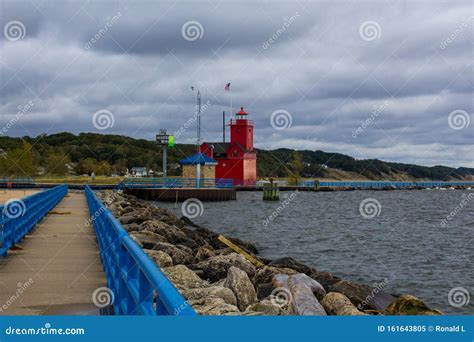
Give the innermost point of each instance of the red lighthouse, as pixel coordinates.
(237, 159)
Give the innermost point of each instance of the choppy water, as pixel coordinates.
(405, 244)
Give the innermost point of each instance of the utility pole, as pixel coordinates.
(223, 126)
(198, 142)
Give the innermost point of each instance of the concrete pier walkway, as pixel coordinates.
(56, 268)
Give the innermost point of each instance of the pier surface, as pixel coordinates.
(56, 267)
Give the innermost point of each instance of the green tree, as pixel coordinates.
(86, 166)
(21, 161)
(295, 166)
(56, 163)
(103, 168)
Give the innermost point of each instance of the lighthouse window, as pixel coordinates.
(238, 130)
(235, 154)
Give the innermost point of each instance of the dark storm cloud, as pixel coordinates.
(307, 58)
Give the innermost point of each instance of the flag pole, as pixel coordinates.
(230, 91)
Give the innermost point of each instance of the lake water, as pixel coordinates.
(406, 241)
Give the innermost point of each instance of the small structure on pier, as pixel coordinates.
(270, 191)
(208, 166)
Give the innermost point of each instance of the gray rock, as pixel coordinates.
(213, 306)
(160, 258)
(147, 239)
(264, 290)
(238, 281)
(179, 254)
(317, 289)
(265, 274)
(215, 268)
(363, 296)
(203, 253)
(267, 307)
(288, 262)
(183, 278)
(337, 304)
(212, 291)
(326, 279)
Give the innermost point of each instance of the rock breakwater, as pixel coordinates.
(216, 280)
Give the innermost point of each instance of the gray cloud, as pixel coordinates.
(307, 58)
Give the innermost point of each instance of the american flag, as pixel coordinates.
(227, 87)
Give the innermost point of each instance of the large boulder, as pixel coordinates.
(267, 307)
(203, 253)
(179, 254)
(410, 305)
(183, 278)
(212, 291)
(295, 294)
(337, 304)
(304, 302)
(160, 258)
(362, 296)
(265, 274)
(326, 279)
(213, 306)
(215, 268)
(238, 281)
(264, 290)
(288, 262)
(147, 239)
(131, 227)
(315, 287)
(172, 234)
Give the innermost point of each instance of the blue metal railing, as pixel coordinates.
(382, 184)
(138, 285)
(19, 216)
(176, 183)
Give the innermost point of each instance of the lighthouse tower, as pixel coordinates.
(236, 160)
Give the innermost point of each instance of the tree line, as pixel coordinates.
(106, 154)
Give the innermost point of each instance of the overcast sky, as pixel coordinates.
(390, 80)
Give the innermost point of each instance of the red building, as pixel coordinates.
(237, 159)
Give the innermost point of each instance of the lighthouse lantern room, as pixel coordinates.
(236, 160)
